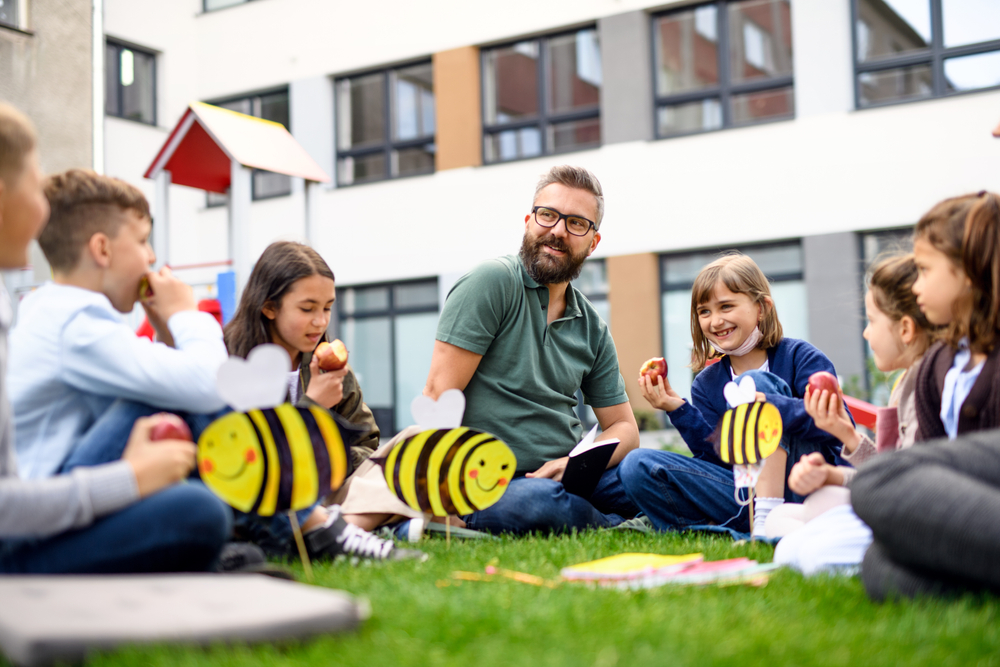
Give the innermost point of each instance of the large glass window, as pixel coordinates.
(542, 96)
(389, 332)
(385, 124)
(593, 283)
(874, 245)
(917, 49)
(723, 64)
(781, 263)
(129, 83)
(271, 106)
(9, 14)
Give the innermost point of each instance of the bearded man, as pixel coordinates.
(519, 340)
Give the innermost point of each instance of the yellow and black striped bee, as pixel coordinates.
(273, 459)
(449, 471)
(749, 433)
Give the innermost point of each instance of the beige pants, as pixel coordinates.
(365, 491)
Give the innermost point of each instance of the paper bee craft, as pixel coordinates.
(269, 456)
(448, 469)
(748, 433)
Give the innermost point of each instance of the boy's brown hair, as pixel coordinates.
(84, 203)
(17, 139)
(740, 275)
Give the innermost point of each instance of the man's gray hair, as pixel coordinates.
(574, 177)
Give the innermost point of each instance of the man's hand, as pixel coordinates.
(660, 394)
(170, 296)
(828, 412)
(326, 388)
(809, 474)
(159, 464)
(551, 469)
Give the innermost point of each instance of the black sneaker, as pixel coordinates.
(336, 538)
(243, 557)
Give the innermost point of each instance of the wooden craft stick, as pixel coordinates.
(750, 505)
(301, 544)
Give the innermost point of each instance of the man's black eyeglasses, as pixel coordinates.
(549, 217)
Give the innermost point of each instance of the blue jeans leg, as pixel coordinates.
(105, 441)
(531, 504)
(676, 491)
(179, 529)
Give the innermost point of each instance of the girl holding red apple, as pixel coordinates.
(287, 302)
(732, 317)
(825, 532)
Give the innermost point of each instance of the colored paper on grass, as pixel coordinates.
(629, 566)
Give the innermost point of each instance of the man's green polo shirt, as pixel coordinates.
(524, 391)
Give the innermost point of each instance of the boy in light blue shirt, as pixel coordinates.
(72, 355)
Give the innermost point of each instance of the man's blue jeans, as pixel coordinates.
(531, 504)
(678, 492)
(179, 529)
(105, 442)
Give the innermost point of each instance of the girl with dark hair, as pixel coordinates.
(825, 532)
(933, 510)
(287, 302)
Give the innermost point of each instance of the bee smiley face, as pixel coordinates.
(230, 460)
(487, 473)
(769, 429)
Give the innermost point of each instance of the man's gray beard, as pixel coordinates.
(539, 265)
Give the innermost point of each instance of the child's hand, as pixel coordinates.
(660, 395)
(159, 464)
(809, 474)
(325, 387)
(827, 410)
(170, 296)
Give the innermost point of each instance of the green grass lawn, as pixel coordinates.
(792, 621)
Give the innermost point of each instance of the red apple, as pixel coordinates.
(822, 380)
(171, 428)
(145, 291)
(657, 366)
(332, 356)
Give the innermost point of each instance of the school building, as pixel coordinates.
(807, 133)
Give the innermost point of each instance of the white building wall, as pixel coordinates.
(830, 170)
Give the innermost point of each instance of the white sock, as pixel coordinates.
(762, 507)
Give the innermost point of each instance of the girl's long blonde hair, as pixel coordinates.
(740, 275)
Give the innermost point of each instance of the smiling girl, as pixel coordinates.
(732, 317)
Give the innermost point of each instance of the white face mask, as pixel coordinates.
(748, 345)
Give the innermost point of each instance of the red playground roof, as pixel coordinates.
(199, 150)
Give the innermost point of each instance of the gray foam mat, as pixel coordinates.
(48, 618)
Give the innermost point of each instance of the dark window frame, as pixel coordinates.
(934, 56)
(725, 90)
(543, 119)
(251, 96)
(119, 46)
(392, 312)
(389, 144)
(718, 251)
(206, 10)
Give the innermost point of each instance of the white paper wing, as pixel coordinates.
(259, 381)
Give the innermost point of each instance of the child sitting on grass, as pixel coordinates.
(899, 335)
(72, 356)
(933, 510)
(287, 302)
(96, 519)
(732, 314)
